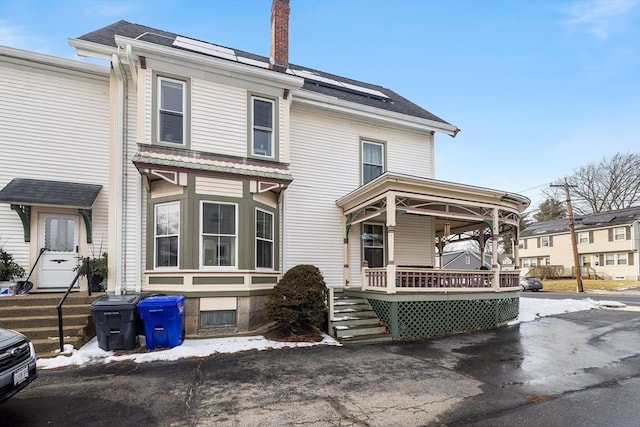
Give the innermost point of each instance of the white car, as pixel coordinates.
(17, 363)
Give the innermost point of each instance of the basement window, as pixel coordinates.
(217, 319)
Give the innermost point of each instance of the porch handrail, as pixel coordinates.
(426, 279)
(84, 269)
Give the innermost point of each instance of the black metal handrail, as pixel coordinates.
(85, 269)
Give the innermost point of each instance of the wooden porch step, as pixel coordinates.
(367, 339)
(359, 330)
(356, 321)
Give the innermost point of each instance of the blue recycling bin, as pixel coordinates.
(163, 320)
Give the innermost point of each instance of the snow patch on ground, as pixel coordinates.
(90, 353)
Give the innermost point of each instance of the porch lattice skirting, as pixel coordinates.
(427, 318)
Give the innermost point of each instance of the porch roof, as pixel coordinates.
(38, 192)
(459, 204)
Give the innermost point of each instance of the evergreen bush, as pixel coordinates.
(299, 298)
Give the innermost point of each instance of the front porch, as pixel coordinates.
(424, 302)
(402, 225)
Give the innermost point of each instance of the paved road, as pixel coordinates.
(577, 369)
(631, 298)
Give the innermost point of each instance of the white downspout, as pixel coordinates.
(137, 266)
(119, 132)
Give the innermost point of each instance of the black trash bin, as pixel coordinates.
(116, 319)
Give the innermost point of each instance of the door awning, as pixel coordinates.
(23, 193)
(38, 192)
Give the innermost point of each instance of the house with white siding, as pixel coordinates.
(229, 168)
(54, 167)
(607, 244)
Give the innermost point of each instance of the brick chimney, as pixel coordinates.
(279, 59)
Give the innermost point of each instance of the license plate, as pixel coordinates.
(20, 375)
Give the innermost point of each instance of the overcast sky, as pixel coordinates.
(538, 87)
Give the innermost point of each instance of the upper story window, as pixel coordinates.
(372, 160)
(544, 242)
(521, 244)
(167, 234)
(583, 237)
(172, 95)
(262, 131)
(264, 239)
(219, 234)
(619, 233)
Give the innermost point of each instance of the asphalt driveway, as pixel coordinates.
(577, 369)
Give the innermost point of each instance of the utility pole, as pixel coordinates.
(572, 232)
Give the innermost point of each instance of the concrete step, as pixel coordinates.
(43, 310)
(47, 347)
(48, 299)
(26, 321)
(52, 331)
(353, 331)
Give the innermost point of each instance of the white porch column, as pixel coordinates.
(346, 272)
(494, 247)
(391, 230)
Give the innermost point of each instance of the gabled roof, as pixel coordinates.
(585, 222)
(314, 80)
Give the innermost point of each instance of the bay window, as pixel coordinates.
(264, 239)
(219, 234)
(167, 234)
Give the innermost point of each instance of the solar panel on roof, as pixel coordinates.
(206, 48)
(356, 88)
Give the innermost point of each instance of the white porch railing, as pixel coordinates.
(436, 280)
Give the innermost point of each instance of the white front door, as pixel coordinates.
(59, 234)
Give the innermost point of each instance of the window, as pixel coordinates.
(171, 110)
(264, 239)
(166, 234)
(262, 127)
(217, 318)
(529, 262)
(373, 245)
(544, 241)
(583, 238)
(619, 233)
(219, 234)
(467, 260)
(616, 259)
(372, 160)
(520, 244)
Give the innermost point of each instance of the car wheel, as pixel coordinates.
(523, 288)
(535, 290)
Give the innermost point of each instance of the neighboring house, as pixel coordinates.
(54, 167)
(228, 168)
(466, 259)
(607, 244)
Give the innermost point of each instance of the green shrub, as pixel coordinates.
(299, 298)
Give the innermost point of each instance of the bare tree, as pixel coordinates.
(610, 184)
